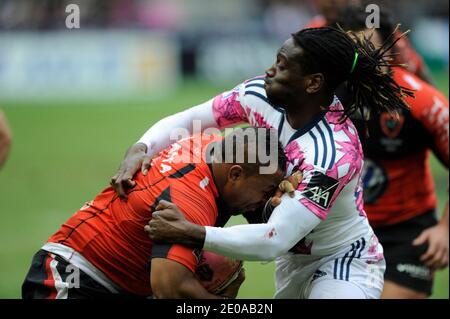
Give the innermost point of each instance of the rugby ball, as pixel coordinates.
(216, 272)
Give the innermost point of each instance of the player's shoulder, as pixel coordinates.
(193, 190)
(186, 159)
(254, 88)
(256, 82)
(254, 99)
(196, 194)
(331, 149)
(322, 144)
(251, 92)
(425, 94)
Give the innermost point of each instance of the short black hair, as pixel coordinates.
(243, 138)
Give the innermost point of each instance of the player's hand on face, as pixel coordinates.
(135, 159)
(232, 290)
(167, 223)
(289, 185)
(436, 256)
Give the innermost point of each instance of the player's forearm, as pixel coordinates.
(245, 242)
(170, 279)
(172, 128)
(444, 218)
(188, 289)
(193, 236)
(289, 223)
(136, 148)
(192, 289)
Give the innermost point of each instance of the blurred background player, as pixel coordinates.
(399, 193)
(405, 54)
(5, 138)
(105, 239)
(328, 10)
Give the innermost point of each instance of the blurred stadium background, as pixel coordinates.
(77, 99)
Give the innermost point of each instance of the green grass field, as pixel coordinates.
(64, 153)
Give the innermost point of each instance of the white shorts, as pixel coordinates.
(356, 272)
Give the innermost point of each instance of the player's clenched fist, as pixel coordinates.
(289, 185)
(168, 225)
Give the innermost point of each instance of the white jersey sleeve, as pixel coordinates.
(289, 223)
(247, 103)
(158, 137)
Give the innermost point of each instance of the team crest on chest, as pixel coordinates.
(391, 125)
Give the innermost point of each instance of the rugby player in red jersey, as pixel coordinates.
(103, 250)
(399, 194)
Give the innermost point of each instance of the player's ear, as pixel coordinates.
(314, 82)
(235, 173)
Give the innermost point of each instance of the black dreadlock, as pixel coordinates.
(332, 52)
(354, 18)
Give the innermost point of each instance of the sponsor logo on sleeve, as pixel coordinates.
(320, 189)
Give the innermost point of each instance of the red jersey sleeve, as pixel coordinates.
(430, 107)
(409, 56)
(317, 22)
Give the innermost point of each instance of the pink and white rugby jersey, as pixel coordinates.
(327, 152)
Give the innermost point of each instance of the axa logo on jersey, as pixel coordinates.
(320, 189)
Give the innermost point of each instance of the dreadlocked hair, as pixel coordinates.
(352, 58)
(353, 17)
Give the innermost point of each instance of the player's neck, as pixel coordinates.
(302, 112)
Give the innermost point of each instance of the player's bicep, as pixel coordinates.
(228, 107)
(431, 109)
(166, 276)
(185, 256)
(172, 272)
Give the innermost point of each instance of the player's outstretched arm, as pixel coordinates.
(165, 131)
(157, 138)
(170, 279)
(288, 224)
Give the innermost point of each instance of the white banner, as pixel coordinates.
(236, 58)
(79, 64)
